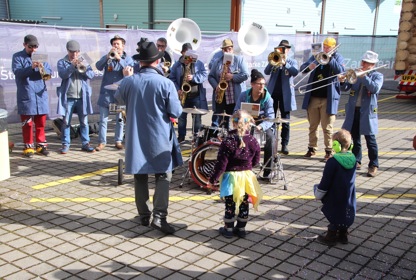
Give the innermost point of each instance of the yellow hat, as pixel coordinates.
(330, 42)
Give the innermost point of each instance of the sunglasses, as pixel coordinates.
(32, 46)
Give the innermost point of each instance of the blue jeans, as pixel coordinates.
(102, 130)
(196, 118)
(369, 139)
(84, 132)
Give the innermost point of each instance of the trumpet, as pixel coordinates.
(80, 66)
(112, 54)
(322, 58)
(351, 76)
(276, 58)
(45, 76)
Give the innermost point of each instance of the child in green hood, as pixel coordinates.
(337, 190)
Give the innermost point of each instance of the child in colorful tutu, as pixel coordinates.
(238, 153)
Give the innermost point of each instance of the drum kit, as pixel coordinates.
(204, 150)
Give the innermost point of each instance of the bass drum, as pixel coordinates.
(202, 163)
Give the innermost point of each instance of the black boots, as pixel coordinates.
(162, 225)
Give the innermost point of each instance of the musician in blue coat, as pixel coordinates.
(196, 75)
(112, 64)
(235, 77)
(361, 110)
(282, 91)
(32, 96)
(322, 97)
(151, 145)
(74, 95)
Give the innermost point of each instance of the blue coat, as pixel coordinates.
(266, 107)
(151, 144)
(65, 71)
(110, 77)
(336, 65)
(238, 68)
(32, 94)
(200, 76)
(371, 84)
(287, 73)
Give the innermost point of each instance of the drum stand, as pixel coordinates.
(276, 170)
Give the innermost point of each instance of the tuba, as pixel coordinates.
(186, 87)
(181, 31)
(222, 85)
(45, 76)
(253, 38)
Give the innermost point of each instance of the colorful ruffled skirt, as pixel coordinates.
(239, 183)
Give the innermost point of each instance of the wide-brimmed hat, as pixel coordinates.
(284, 44)
(149, 52)
(31, 40)
(117, 38)
(370, 57)
(227, 43)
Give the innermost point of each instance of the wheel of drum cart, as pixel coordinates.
(120, 172)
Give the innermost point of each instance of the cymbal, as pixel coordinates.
(276, 120)
(112, 86)
(222, 115)
(195, 111)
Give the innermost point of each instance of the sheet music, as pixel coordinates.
(252, 108)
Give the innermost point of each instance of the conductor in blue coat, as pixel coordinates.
(151, 144)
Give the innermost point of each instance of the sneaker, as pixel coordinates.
(64, 149)
(181, 139)
(284, 150)
(328, 155)
(87, 148)
(100, 147)
(226, 233)
(310, 153)
(372, 171)
(42, 150)
(358, 166)
(119, 145)
(28, 152)
(145, 221)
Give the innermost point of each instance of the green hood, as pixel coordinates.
(347, 160)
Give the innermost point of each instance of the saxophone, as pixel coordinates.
(222, 85)
(45, 76)
(186, 87)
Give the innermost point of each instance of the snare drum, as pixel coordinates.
(210, 133)
(203, 160)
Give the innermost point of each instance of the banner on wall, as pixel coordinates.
(96, 43)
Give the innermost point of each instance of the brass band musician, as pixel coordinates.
(281, 74)
(320, 101)
(234, 77)
(188, 74)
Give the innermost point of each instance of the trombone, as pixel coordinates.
(350, 75)
(322, 58)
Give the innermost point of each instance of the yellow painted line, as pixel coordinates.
(207, 197)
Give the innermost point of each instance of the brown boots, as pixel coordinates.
(332, 237)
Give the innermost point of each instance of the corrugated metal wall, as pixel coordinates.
(388, 17)
(72, 13)
(3, 9)
(283, 17)
(133, 13)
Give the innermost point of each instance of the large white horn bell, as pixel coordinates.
(181, 31)
(253, 38)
